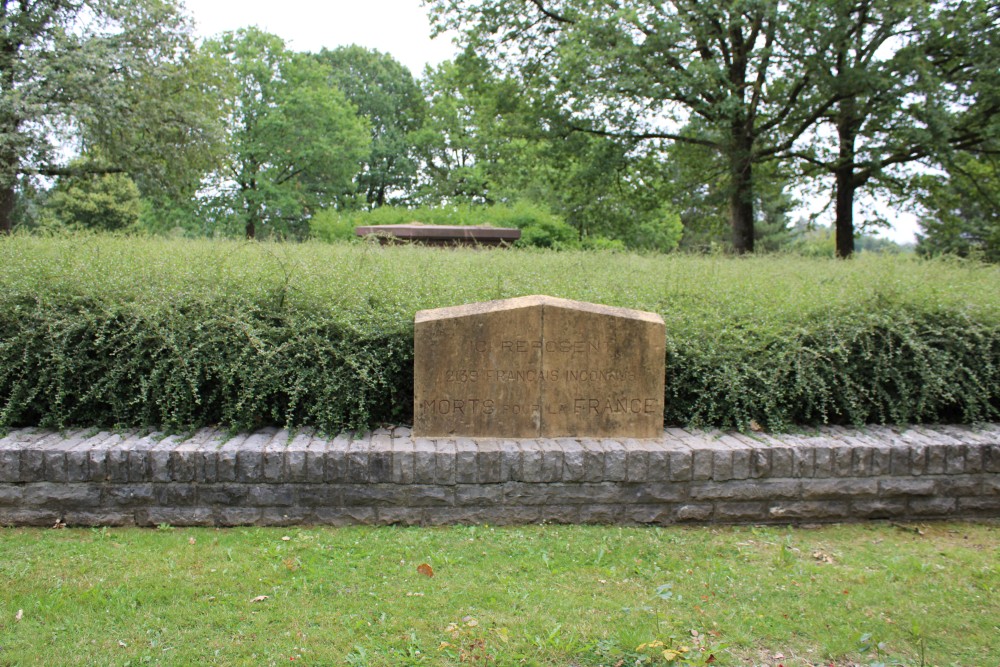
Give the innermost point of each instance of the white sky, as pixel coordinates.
(398, 27)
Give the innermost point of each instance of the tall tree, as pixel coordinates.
(961, 209)
(386, 94)
(903, 81)
(78, 73)
(294, 142)
(643, 70)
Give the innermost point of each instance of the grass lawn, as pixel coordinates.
(539, 595)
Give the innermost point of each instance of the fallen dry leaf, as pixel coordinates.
(286, 538)
(822, 557)
(122, 644)
(754, 426)
(260, 598)
(425, 570)
(19, 615)
(191, 540)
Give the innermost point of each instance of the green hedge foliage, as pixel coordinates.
(106, 331)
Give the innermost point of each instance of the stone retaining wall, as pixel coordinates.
(388, 477)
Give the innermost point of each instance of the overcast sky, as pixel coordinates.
(397, 27)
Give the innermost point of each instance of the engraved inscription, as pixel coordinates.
(538, 366)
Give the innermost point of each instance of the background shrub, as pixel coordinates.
(103, 331)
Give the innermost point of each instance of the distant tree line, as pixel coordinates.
(636, 124)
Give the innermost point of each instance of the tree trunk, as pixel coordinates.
(8, 198)
(846, 183)
(251, 230)
(845, 210)
(741, 196)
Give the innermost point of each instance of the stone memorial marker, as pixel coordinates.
(538, 366)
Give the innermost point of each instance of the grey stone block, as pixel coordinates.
(159, 457)
(813, 489)
(18, 516)
(345, 516)
(531, 462)
(271, 495)
(176, 494)
(906, 487)
(937, 460)
(991, 458)
(803, 462)
(238, 516)
(823, 458)
(695, 512)
(425, 461)
(273, 459)
(316, 461)
(921, 459)
(466, 461)
(681, 468)
(878, 508)
(11, 495)
(379, 495)
(861, 461)
(490, 462)
(429, 495)
(477, 495)
(932, 506)
(249, 466)
(593, 460)
(959, 485)
(49, 494)
(318, 495)
(552, 462)
(397, 516)
(954, 463)
(974, 458)
(445, 458)
(899, 461)
(659, 464)
(138, 461)
(284, 516)
(702, 462)
(128, 495)
(296, 455)
(559, 514)
(881, 461)
(843, 461)
(600, 514)
(573, 460)
(760, 463)
(649, 515)
(734, 512)
(781, 462)
(985, 506)
(116, 461)
(741, 463)
(99, 518)
(335, 467)
(380, 460)
(615, 461)
(225, 494)
(10, 465)
(814, 510)
(403, 461)
(746, 490)
(636, 461)
(722, 464)
(226, 470)
(55, 465)
(650, 493)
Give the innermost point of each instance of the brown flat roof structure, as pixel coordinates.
(418, 232)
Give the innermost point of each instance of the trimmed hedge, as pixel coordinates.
(106, 331)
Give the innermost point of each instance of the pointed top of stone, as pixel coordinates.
(534, 300)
